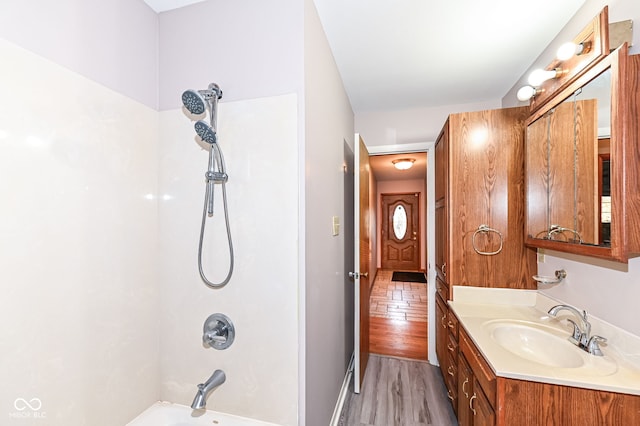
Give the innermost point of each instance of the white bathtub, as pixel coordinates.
(168, 414)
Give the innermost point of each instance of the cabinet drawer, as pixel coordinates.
(481, 370)
(452, 324)
(452, 347)
(451, 371)
(442, 289)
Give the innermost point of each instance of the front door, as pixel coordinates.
(400, 230)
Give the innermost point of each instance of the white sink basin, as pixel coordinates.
(535, 343)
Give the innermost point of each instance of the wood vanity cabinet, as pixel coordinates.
(485, 399)
(476, 386)
(479, 178)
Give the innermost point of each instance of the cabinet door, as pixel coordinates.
(483, 414)
(465, 384)
(441, 183)
(486, 172)
(441, 333)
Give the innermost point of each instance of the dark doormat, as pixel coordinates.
(411, 277)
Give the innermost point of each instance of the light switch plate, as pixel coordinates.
(335, 220)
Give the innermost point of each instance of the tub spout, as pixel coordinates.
(204, 389)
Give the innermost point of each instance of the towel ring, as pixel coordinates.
(485, 229)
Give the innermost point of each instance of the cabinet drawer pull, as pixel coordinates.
(471, 403)
(444, 269)
(450, 370)
(449, 395)
(444, 317)
(463, 387)
(451, 348)
(451, 325)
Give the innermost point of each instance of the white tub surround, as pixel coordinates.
(167, 414)
(481, 309)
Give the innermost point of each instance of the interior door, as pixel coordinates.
(362, 256)
(400, 230)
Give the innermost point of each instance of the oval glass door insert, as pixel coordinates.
(400, 222)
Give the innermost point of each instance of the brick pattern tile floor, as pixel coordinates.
(398, 300)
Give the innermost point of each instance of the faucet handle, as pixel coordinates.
(576, 337)
(593, 347)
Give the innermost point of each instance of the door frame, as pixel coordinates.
(429, 228)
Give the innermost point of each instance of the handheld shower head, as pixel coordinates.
(205, 132)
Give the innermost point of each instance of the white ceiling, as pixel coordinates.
(418, 53)
(164, 5)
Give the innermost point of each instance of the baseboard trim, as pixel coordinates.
(337, 411)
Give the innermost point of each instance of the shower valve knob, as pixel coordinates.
(218, 332)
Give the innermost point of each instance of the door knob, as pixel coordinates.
(358, 274)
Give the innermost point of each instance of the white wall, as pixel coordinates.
(607, 290)
(78, 268)
(114, 43)
(328, 123)
(399, 186)
(251, 48)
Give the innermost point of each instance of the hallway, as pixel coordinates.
(398, 318)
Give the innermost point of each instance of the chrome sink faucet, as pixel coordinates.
(581, 333)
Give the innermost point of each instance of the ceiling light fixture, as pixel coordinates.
(403, 163)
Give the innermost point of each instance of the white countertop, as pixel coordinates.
(480, 309)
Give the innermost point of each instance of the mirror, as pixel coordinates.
(567, 167)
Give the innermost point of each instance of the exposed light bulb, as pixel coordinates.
(567, 50)
(525, 93)
(539, 76)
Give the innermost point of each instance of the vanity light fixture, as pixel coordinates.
(568, 50)
(539, 76)
(403, 163)
(527, 92)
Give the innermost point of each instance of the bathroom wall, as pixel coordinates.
(258, 63)
(607, 290)
(399, 186)
(259, 140)
(114, 43)
(78, 251)
(328, 123)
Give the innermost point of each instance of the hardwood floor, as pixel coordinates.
(399, 392)
(398, 318)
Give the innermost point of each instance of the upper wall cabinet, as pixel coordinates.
(582, 158)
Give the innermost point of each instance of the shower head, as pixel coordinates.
(206, 132)
(193, 101)
(196, 100)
